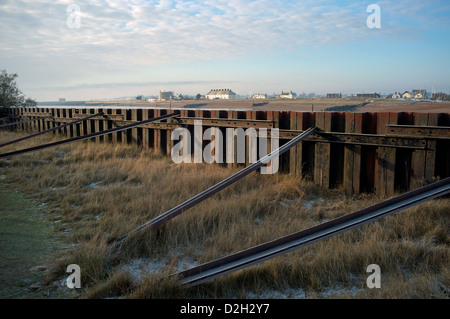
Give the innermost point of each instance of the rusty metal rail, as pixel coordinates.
(172, 213)
(88, 136)
(263, 252)
(50, 130)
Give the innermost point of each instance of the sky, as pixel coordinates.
(104, 49)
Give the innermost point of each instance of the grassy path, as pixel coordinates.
(26, 242)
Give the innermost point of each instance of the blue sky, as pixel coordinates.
(126, 48)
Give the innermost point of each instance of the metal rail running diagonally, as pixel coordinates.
(263, 252)
(172, 213)
(88, 136)
(50, 130)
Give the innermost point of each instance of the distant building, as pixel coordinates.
(396, 95)
(407, 95)
(287, 95)
(220, 94)
(369, 95)
(164, 96)
(62, 100)
(419, 94)
(422, 93)
(259, 96)
(334, 95)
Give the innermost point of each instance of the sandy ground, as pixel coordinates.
(299, 105)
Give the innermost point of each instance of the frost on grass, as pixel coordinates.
(140, 268)
(93, 185)
(288, 293)
(299, 293)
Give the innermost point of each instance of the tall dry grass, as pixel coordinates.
(102, 191)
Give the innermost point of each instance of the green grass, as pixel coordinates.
(27, 241)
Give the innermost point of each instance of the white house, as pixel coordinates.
(287, 95)
(259, 96)
(221, 94)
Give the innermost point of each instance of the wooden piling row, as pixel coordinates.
(358, 152)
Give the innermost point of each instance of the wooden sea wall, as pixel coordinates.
(357, 152)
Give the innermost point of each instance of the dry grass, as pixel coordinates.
(102, 191)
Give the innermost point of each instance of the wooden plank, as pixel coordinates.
(70, 128)
(97, 127)
(349, 154)
(418, 161)
(248, 115)
(83, 130)
(168, 133)
(227, 122)
(299, 148)
(106, 125)
(89, 127)
(352, 155)
(323, 152)
(293, 160)
(157, 133)
(430, 160)
(357, 155)
(385, 177)
(270, 117)
(231, 146)
(134, 131)
(424, 130)
(145, 131)
(114, 136)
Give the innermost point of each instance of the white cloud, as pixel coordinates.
(116, 36)
(160, 31)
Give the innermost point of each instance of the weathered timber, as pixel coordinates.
(360, 152)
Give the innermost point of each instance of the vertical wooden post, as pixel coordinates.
(114, 136)
(293, 160)
(385, 177)
(63, 116)
(97, 127)
(418, 162)
(108, 137)
(145, 135)
(80, 126)
(214, 114)
(125, 133)
(168, 132)
(88, 122)
(323, 152)
(134, 131)
(69, 118)
(39, 122)
(430, 167)
(229, 143)
(296, 153)
(352, 155)
(33, 123)
(157, 134)
(54, 115)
